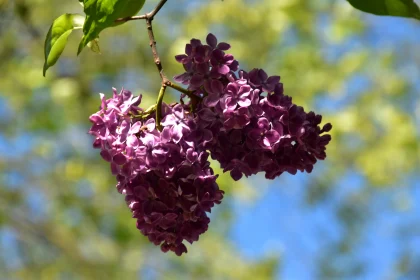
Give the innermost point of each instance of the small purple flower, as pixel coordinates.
(221, 62)
(185, 77)
(214, 89)
(238, 168)
(293, 119)
(263, 135)
(177, 123)
(151, 149)
(258, 78)
(236, 94)
(212, 42)
(99, 127)
(236, 119)
(194, 52)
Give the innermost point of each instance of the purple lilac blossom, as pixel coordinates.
(165, 176)
(202, 63)
(256, 127)
(244, 121)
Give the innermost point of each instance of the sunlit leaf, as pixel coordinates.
(56, 39)
(101, 14)
(400, 8)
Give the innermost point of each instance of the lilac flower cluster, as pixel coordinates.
(257, 128)
(165, 175)
(244, 121)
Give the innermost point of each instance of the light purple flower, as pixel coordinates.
(177, 123)
(236, 94)
(263, 135)
(236, 119)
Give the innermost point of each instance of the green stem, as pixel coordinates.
(159, 107)
(150, 109)
(178, 88)
(146, 113)
(188, 93)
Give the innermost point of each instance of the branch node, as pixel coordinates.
(148, 17)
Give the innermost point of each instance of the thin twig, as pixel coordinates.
(165, 81)
(152, 43)
(131, 18)
(159, 6)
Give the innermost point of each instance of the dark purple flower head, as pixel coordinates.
(256, 127)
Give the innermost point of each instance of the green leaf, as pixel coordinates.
(101, 14)
(400, 8)
(57, 37)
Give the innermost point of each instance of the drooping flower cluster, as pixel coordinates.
(257, 128)
(165, 175)
(243, 120)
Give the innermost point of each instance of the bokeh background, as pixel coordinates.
(357, 216)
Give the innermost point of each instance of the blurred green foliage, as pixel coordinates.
(82, 228)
